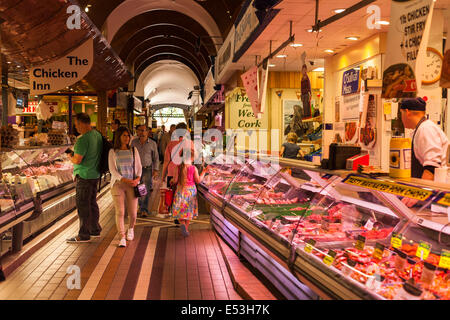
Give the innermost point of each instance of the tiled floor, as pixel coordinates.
(159, 264)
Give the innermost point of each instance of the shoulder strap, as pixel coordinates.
(134, 164)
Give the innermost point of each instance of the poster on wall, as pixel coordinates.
(368, 130)
(351, 132)
(292, 118)
(337, 111)
(406, 33)
(350, 107)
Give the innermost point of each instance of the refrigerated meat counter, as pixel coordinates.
(315, 233)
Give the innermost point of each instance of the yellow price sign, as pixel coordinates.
(329, 258)
(445, 201)
(310, 245)
(423, 250)
(379, 250)
(389, 187)
(396, 240)
(360, 242)
(444, 261)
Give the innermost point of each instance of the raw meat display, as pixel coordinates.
(297, 208)
(387, 275)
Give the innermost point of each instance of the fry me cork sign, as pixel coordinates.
(241, 113)
(393, 188)
(63, 72)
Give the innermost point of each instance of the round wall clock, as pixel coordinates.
(433, 65)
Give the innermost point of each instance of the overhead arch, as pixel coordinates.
(164, 72)
(129, 9)
(201, 64)
(200, 76)
(129, 56)
(171, 105)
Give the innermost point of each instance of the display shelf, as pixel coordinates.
(282, 207)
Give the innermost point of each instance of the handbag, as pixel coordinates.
(141, 189)
(168, 197)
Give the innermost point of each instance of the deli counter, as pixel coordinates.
(36, 189)
(318, 234)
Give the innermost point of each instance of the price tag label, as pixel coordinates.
(423, 250)
(444, 261)
(360, 242)
(379, 250)
(273, 182)
(310, 245)
(396, 240)
(329, 258)
(369, 224)
(445, 200)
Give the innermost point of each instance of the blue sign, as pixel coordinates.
(350, 81)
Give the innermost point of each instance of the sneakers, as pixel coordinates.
(95, 235)
(122, 243)
(76, 239)
(130, 234)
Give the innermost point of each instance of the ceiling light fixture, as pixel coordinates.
(281, 56)
(86, 9)
(328, 51)
(352, 38)
(311, 30)
(382, 22)
(296, 45)
(338, 10)
(319, 69)
(272, 65)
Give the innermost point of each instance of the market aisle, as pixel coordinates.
(159, 264)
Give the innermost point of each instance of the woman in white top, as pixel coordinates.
(126, 170)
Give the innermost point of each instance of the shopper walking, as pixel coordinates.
(126, 170)
(185, 205)
(148, 152)
(173, 147)
(165, 139)
(86, 159)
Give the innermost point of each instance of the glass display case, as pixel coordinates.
(29, 172)
(346, 236)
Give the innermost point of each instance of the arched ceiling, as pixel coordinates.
(144, 32)
(165, 82)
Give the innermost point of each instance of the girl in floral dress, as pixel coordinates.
(185, 206)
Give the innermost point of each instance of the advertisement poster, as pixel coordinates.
(350, 107)
(368, 131)
(351, 132)
(351, 81)
(406, 32)
(337, 111)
